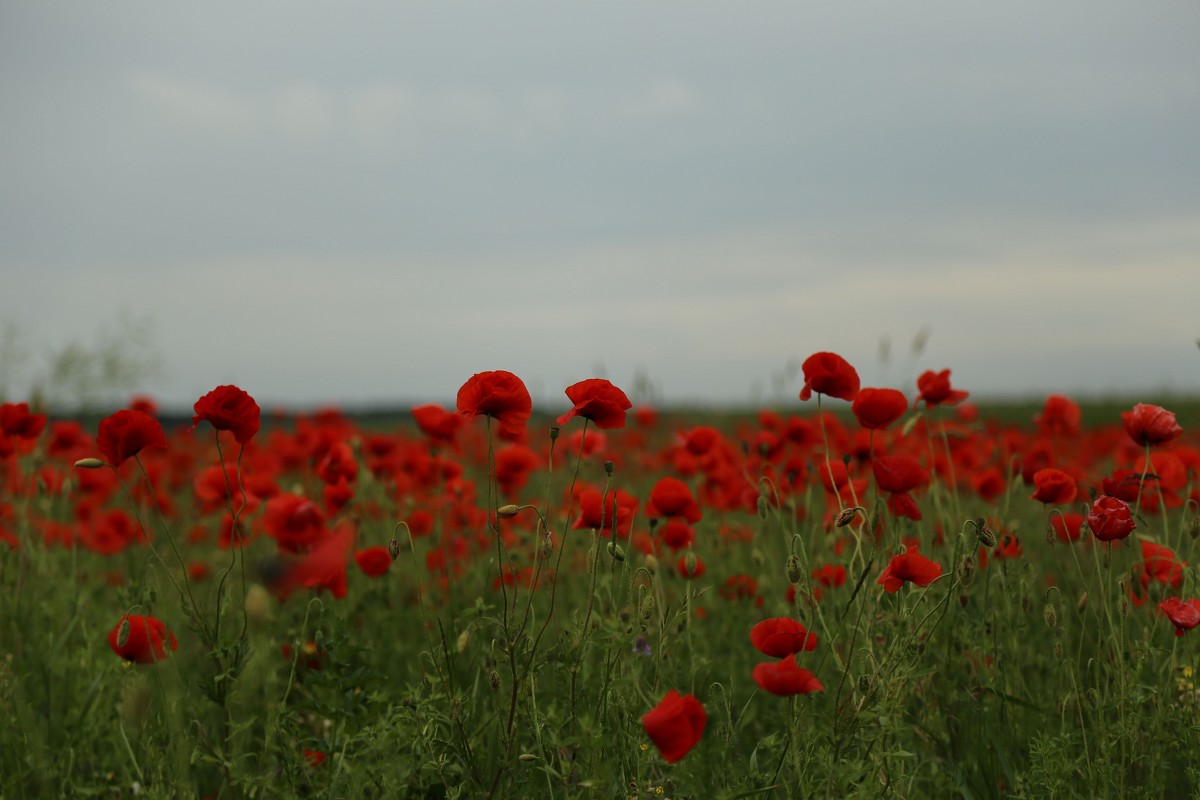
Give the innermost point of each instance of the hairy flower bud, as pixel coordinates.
(89, 463)
(494, 680)
(1050, 614)
(793, 569)
(986, 536)
(846, 517)
(394, 549)
(508, 511)
(616, 552)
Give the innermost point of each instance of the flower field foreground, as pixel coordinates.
(878, 592)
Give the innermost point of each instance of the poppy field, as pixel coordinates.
(873, 592)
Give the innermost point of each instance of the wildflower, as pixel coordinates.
(228, 408)
(675, 725)
(909, 566)
(373, 561)
(1053, 486)
(876, 409)
(934, 388)
(141, 639)
(829, 374)
(438, 424)
(671, 497)
(782, 636)
(1183, 615)
(126, 433)
(786, 678)
(1148, 424)
(500, 395)
(597, 400)
(1110, 519)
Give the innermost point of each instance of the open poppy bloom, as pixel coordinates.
(228, 408)
(1060, 415)
(599, 401)
(875, 409)
(829, 374)
(675, 725)
(909, 567)
(1110, 519)
(141, 639)
(935, 389)
(499, 395)
(782, 636)
(1148, 424)
(1053, 486)
(786, 678)
(437, 423)
(373, 561)
(1183, 615)
(18, 422)
(671, 497)
(126, 433)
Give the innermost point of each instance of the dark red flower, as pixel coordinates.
(1148, 424)
(829, 374)
(437, 423)
(899, 473)
(1068, 527)
(1159, 565)
(16, 421)
(1059, 415)
(876, 409)
(499, 395)
(1110, 519)
(144, 640)
(671, 497)
(126, 433)
(294, 522)
(831, 575)
(228, 408)
(909, 566)
(323, 568)
(676, 534)
(786, 678)
(1183, 615)
(598, 400)
(1053, 486)
(315, 758)
(675, 725)
(373, 561)
(782, 636)
(935, 389)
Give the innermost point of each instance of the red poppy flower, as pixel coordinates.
(373, 561)
(829, 374)
(1053, 486)
(323, 568)
(228, 408)
(1183, 615)
(935, 389)
(1068, 527)
(786, 678)
(831, 575)
(1059, 415)
(315, 758)
(899, 473)
(675, 725)
(1159, 565)
(437, 423)
(145, 639)
(782, 636)
(676, 534)
(876, 409)
(671, 497)
(909, 566)
(16, 421)
(499, 395)
(598, 400)
(126, 433)
(1110, 519)
(1148, 424)
(693, 570)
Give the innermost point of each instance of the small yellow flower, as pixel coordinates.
(643, 747)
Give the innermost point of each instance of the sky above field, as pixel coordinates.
(366, 203)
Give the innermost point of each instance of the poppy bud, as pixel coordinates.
(547, 545)
(1050, 614)
(689, 562)
(507, 511)
(1050, 535)
(89, 463)
(608, 468)
(647, 609)
(1091, 696)
(1058, 645)
(494, 680)
(1194, 528)
(258, 604)
(527, 758)
(846, 517)
(653, 523)
(123, 632)
(864, 683)
(553, 432)
(394, 549)
(793, 569)
(986, 536)
(763, 507)
(1123, 603)
(616, 552)
(651, 564)
(464, 639)
(966, 570)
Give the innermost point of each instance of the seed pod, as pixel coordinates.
(792, 569)
(1050, 614)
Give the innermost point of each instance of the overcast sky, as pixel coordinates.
(368, 202)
